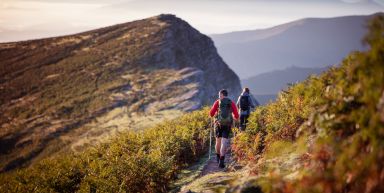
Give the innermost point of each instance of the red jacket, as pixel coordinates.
(215, 108)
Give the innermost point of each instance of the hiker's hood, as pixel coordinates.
(244, 94)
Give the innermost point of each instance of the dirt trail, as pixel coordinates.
(209, 176)
(212, 164)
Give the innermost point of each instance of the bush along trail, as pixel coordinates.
(145, 161)
(323, 135)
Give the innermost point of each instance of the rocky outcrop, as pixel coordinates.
(200, 54)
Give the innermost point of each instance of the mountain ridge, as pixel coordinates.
(277, 80)
(309, 42)
(74, 89)
(284, 26)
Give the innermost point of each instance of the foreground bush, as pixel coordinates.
(339, 115)
(145, 161)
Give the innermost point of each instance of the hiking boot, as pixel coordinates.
(217, 158)
(221, 162)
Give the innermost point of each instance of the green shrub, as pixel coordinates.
(341, 113)
(145, 161)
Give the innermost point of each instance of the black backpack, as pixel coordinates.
(244, 103)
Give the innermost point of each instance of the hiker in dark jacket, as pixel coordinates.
(245, 103)
(224, 111)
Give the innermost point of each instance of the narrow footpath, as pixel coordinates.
(212, 164)
(206, 176)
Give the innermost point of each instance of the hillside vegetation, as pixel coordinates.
(66, 93)
(325, 134)
(145, 161)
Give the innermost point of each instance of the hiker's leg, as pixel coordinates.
(218, 135)
(222, 152)
(242, 122)
(223, 149)
(224, 140)
(218, 144)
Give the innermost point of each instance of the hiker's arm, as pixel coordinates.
(235, 112)
(214, 108)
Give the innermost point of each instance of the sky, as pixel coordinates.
(31, 19)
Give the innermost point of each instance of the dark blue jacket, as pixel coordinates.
(251, 104)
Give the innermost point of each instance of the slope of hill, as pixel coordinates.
(143, 161)
(325, 134)
(311, 43)
(69, 91)
(265, 86)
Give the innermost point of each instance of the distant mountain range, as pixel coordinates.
(308, 43)
(273, 82)
(64, 93)
(265, 86)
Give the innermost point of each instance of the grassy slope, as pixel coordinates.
(68, 81)
(144, 161)
(51, 90)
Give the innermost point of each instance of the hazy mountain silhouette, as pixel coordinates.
(273, 82)
(310, 43)
(265, 86)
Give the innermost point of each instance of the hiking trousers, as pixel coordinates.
(243, 121)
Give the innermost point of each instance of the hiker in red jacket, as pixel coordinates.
(224, 111)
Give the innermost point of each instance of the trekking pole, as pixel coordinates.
(210, 141)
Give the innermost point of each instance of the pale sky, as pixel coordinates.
(30, 19)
